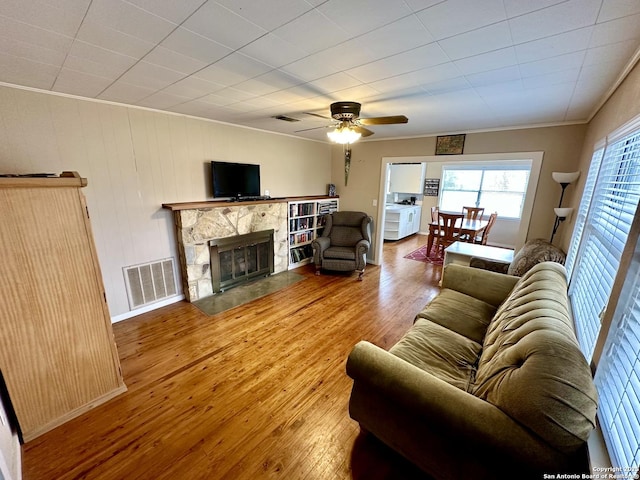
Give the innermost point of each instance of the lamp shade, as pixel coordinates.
(562, 177)
(563, 213)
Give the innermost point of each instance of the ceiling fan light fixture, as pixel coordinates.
(343, 135)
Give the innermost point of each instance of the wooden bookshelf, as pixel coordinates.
(305, 219)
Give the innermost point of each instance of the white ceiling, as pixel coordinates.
(450, 66)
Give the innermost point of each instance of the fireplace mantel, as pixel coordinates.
(197, 223)
(224, 203)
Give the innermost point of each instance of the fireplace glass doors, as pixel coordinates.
(240, 258)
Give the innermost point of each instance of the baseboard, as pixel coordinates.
(76, 412)
(148, 308)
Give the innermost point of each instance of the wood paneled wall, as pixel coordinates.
(135, 160)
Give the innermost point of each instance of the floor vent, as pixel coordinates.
(150, 282)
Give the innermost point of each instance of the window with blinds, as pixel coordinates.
(613, 204)
(618, 376)
(606, 229)
(583, 209)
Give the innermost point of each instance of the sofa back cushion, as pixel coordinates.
(531, 366)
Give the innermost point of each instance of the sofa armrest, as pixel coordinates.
(490, 287)
(473, 422)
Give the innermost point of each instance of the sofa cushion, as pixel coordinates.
(461, 313)
(439, 351)
(531, 366)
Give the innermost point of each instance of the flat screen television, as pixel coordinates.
(235, 180)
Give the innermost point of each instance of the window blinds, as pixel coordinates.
(583, 209)
(608, 224)
(609, 218)
(618, 376)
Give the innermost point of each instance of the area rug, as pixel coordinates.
(246, 293)
(421, 255)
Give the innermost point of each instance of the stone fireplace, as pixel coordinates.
(238, 259)
(199, 223)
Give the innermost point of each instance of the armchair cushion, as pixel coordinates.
(345, 236)
(342, 253)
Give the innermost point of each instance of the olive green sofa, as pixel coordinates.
(488, 383)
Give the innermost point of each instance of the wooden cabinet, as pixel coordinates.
(407, 178)
(401, 221)
(57, 351)
(305, 224)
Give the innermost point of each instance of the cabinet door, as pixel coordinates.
(416, 219)
(407, 178)
(57, 350)
(406, 220)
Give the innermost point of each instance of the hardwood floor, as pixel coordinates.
(256, 392)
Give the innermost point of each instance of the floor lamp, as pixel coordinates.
(564, 179)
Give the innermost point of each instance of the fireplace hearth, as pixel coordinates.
(240, 258)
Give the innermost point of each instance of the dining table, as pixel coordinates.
(468, 227)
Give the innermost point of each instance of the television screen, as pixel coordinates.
(235, 179)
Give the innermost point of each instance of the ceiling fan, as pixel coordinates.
(348, 126)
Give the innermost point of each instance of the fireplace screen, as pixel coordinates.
(240, 258)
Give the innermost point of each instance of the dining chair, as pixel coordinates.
(435, 218)
(484, 236)
(447, 231)
(434, 214)
(473, 213)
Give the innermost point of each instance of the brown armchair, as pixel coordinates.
(344, 243)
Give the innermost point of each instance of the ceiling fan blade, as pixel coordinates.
(365, 132)
(324, 117)
(384, 120)
(313, 128)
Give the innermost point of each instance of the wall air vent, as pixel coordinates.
(284, 118)
(150, 282)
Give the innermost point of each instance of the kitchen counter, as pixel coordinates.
(401, 220)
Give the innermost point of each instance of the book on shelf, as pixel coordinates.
(327, 207)
(296, 224)
(301, 209)
(299, 254)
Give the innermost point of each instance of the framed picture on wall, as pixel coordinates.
(450, 144)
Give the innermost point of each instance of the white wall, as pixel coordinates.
(10, 452)
(135, 160)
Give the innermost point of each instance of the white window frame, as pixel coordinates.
(614, 351)
(514, 165)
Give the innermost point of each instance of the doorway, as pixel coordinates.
(512, 231)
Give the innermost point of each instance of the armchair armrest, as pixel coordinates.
(490, 287)
(321, 243)
(362, 247)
